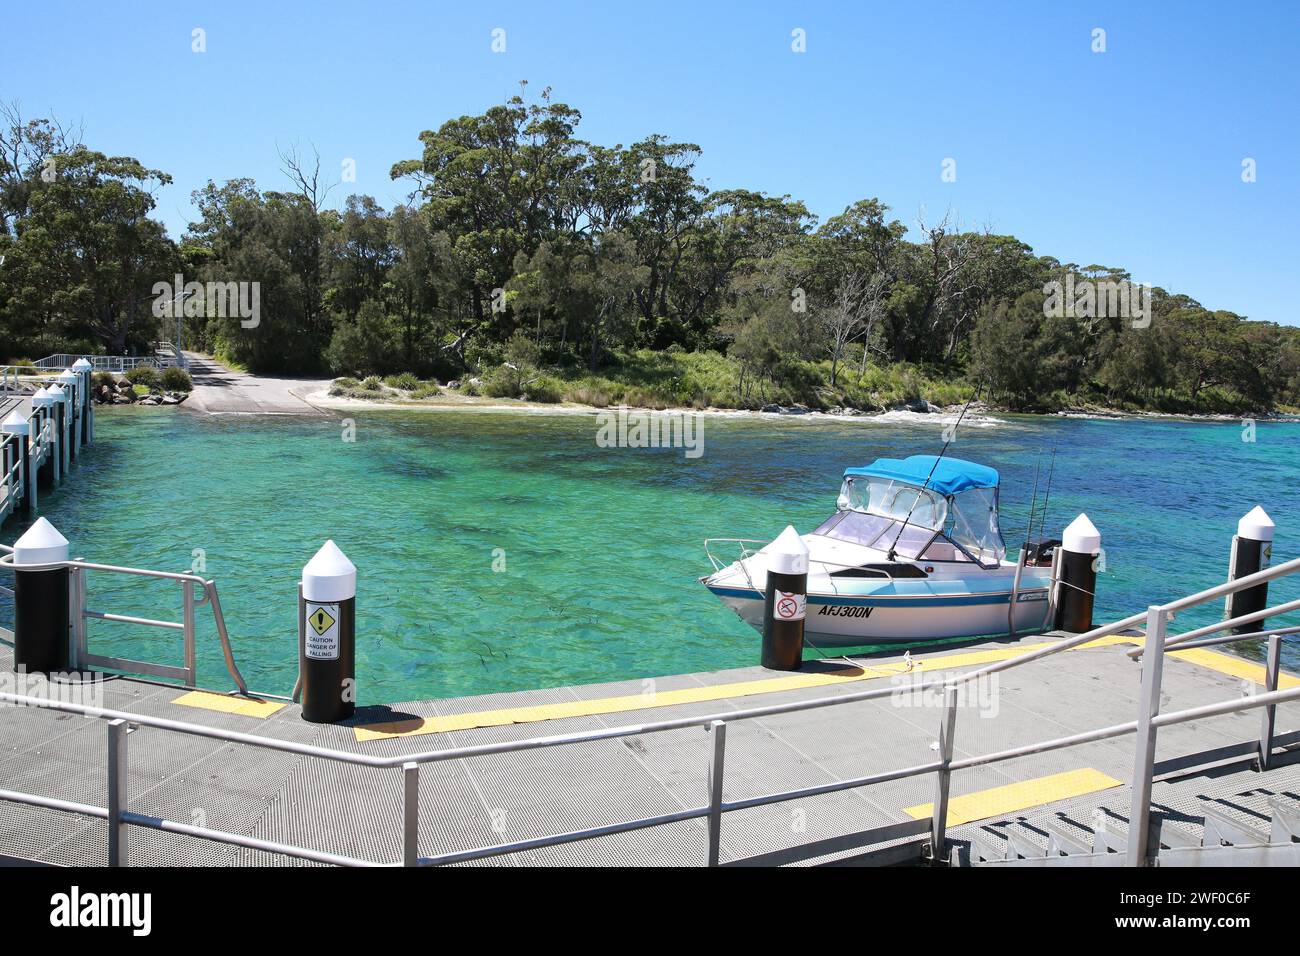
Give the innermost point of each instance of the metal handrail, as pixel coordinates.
(1209, 594)
(1144, 727)
(1181, 640)
(1234, 638)
(78, 568)
(744, 551)
(408, 762)
(105, 363)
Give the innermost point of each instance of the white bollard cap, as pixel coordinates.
(69, 376)
(81, 365)
(15, 424)
(329, 576)
(42, 544)
(787, 554)
(42, 398)
(1081, 537)
(1256, 525)
(56, 393)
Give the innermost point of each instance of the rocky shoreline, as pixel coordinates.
(121, 392)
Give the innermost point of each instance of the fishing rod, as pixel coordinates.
(893, 553)
(1042, 521)
(1033, 504)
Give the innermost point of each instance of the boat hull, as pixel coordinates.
(836, 620)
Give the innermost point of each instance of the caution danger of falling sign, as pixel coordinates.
(322, 632)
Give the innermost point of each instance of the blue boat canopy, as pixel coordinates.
(951, 475)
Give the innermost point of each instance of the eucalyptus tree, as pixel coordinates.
(84, 255)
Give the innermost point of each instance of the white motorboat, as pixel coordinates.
(913, 552)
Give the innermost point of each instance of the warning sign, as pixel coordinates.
(322, 636)
(789, 607)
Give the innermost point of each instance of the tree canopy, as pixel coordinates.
(519, 232)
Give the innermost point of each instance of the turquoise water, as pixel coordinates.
(602, 546)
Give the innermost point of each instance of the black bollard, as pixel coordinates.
(1252, 547)
(1077, 576)
(62, 415)
(70, 382)
(42, 616)
(785, 603)
(327, 623)
(45, 421)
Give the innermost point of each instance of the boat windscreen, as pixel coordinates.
(876, 531)
(895, 500)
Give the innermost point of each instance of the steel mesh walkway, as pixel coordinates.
(479, 801)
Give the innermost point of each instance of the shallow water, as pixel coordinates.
(597, 550)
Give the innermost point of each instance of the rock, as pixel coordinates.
(170, 399)
(121, 399)
(772, 409)
(798, 410)
(918, 405)
(454, 383)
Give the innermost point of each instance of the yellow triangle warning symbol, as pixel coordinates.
(320, 620)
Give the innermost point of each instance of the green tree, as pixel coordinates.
(84, 255)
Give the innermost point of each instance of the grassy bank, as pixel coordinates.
(679, 379)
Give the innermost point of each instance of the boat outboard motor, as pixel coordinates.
(1039, 554)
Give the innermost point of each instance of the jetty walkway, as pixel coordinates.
(1067, 803)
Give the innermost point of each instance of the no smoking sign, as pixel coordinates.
(789, 606)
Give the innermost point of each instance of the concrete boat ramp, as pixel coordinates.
(1064, 806)
(222, 391)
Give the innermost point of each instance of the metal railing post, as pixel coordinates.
(943, 777)
(717, 758)
(410, 814)
(297, 684)
(191, 668)
(76, 604)
(79, 617)
(1144, 760)
(1272, 667)
(117, 791)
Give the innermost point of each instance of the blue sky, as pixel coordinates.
(1131, 157)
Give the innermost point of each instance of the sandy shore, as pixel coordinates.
(322, 399)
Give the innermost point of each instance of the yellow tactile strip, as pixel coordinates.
(229, 705)
(1233, 666)
(419, 726)
(690, 695)
(1012, 797)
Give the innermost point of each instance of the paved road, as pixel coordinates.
(221, 391)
